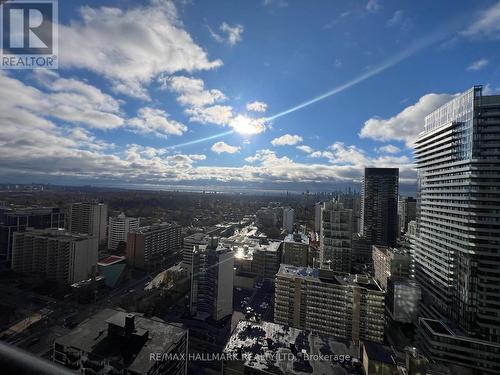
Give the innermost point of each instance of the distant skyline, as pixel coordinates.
(269, 95)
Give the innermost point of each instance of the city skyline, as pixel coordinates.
(238, 95)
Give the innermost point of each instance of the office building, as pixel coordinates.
(16, 220)
(119, 228)
(153, 247)
(55, 254)
(407, 211)
(88, 218)
(263, 348)
(390, 263)
(212, 279)
(457, 242)
(402, 300)
(116, 342)
(350, 306)
(335, 237)
(296, 250)
(379, 205)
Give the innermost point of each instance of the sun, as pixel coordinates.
(247, 126)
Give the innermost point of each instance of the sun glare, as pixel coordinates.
(247, 126)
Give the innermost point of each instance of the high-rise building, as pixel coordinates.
(56, 254)
(317, 216)
(188, 246)
(153, 247)
(118, 229)
(335, 237)
(361, 253)
(12, 221)
(390, 263)
(407, 211)
(288, 219)
(379, 205)
(296, 250)
(320, 300)
(456, 247)
(116, 342)
(88, 218)
(266, 260)
(212, 279)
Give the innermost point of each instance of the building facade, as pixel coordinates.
(350, 306)
(336, 237)
(55, 254)
(12, 221)
(212, 280)
(88, 218)
(288, 219)
(296, 250)
(153, 247)
(379, 205)
(407, 211)
(390, 263)
(457, 242)
(118, 229)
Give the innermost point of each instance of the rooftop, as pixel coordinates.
(269, 347)
(297, 237)
(330, 277)
(149, 336)
(112, 259)
(379, 353)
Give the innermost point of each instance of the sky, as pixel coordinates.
(264, 94)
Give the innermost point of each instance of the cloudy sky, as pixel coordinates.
(275, 94)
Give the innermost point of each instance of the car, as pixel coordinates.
(238, 289)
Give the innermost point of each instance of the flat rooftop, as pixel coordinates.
(329, 277)
(298, 238)
(132, 352)
(278, 349)
(112, 259)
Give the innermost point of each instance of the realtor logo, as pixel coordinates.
(28, 38)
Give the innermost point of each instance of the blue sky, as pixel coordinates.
(142, 84)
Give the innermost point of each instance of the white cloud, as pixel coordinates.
(389, 149)
(229, 34)
(217, 114)
(487, 23)
(477, 65)
(156, 121)
(131, 47)
(306, 149)
(399, 20)
(287, 140)
(257, 106)
(275, 3)
(192, 91)
(373, 6)
(407, 124)
(221, 147)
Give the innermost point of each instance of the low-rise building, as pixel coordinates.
(116, 342)
(270, 348)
